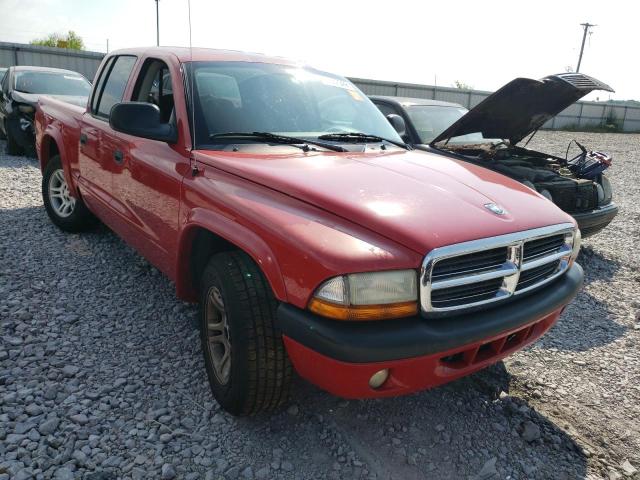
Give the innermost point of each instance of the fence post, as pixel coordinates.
(15, 55)
(580, 115)
(624, 117)
(469, 99)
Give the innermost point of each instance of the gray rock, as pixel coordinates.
(168, 472)
(23, 474)
(70, 371)
(247, 473)
(79, 418)
(488, 469)
(49, 426)
(530, 431)
(628, 469)
(221, 465)
(63, 474)
(14, 438)
(263, 473)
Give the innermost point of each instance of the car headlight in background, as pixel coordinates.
(368, 296)
(574, 239)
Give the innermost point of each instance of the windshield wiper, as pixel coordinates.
(300, 143)
(358, 137)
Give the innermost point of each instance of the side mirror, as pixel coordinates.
(141, 119)
(397, 122)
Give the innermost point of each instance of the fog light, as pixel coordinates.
(378, 378)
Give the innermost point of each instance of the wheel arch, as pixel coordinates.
(208, 233)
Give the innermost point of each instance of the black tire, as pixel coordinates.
(79, 218)
(12, 146)
(259, 376)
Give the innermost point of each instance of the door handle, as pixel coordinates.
(117, 156)
(83, 139)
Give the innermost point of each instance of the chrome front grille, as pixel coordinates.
(472, 274)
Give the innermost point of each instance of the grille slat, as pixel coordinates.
(542, 246)
(530, 277)
(467, 275)
(470, 263)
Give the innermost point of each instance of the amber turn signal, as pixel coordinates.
(363, 312)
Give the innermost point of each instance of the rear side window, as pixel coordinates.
(112, 90)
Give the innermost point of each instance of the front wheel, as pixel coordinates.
(67, 212)
(246, 362)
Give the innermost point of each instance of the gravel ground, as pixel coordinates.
(101, 374)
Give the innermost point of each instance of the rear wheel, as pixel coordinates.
(247, 365)
(67, 212)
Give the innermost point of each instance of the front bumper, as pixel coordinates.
(594, 221)
(420, 353)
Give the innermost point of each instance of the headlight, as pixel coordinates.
(368, 296)
(26, 108)
(575, 239)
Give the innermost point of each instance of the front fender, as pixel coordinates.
(233, 232)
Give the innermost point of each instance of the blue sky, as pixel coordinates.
(484, 44)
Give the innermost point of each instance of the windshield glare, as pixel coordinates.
(50, 83)
(431, 120)
(280, 99)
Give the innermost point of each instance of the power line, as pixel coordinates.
(586, 27)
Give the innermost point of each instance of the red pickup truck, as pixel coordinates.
(280, 198)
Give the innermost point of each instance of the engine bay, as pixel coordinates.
(575, 185)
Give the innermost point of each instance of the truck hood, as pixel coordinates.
(417, 199)
(522, 106)
(32, 98)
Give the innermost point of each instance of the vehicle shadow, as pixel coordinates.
(465, 429)
(588, 322)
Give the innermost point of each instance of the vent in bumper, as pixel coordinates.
(480, 272)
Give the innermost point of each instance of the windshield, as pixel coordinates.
(431, 120)
(52, 83)
(280, 99)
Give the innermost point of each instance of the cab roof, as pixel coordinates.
(185, 54)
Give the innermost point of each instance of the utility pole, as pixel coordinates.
(158, 24)
(107, 45)
(586, 27)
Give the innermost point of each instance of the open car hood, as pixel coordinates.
(522, 106)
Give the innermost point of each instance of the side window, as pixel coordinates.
(386, 109)
(99, 84)
(114, 85)
(154, 86)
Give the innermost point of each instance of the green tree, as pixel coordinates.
(462, 85)
(71, 40)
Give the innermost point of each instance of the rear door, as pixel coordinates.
(99, 155)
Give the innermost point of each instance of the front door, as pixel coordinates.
(148, 178)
